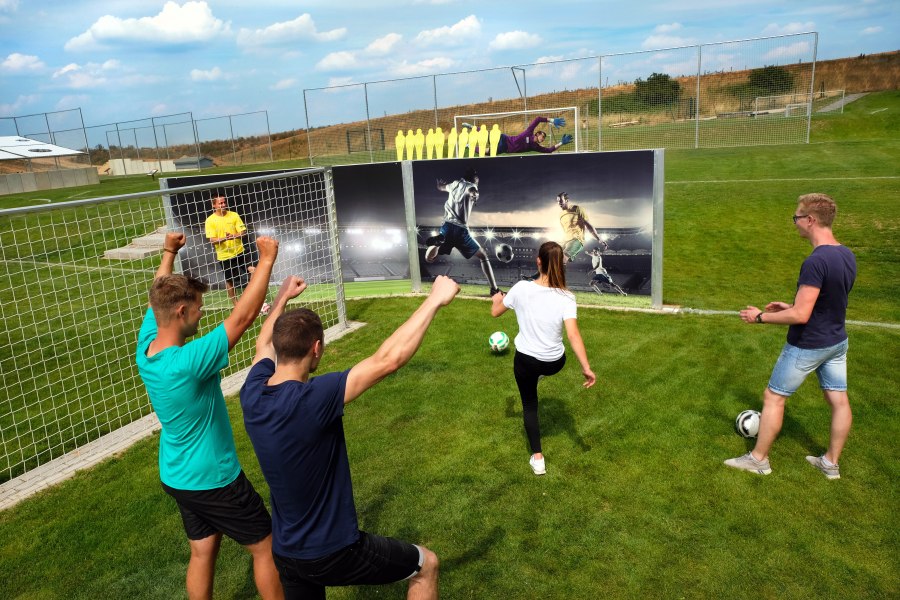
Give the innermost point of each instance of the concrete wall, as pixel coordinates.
(19, 183)
(129, 166)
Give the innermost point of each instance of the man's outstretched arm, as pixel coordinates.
(247, 308)
(402, 344)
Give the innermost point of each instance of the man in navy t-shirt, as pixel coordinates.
(816, 338)
(295, 424)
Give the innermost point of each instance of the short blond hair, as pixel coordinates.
(821, 206)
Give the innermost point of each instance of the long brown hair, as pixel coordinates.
(552, 265)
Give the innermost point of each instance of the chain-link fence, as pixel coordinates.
(61, 128)
(690, 97)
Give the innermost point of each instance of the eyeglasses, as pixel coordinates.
(795, 217)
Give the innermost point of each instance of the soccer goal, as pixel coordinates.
(76, 279)
(515, 122)
(799, 109)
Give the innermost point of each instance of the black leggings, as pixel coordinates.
(528, 370)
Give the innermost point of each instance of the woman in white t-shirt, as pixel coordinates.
(542, 308)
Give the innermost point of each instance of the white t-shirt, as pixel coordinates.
(540, 312)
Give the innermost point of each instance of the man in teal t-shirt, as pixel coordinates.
(198, 463)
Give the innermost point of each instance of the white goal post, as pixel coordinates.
(515, 122)
(76, 280)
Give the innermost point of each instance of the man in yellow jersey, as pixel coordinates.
(224, 230)
(574, 222)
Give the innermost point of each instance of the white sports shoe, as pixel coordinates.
(537, 465)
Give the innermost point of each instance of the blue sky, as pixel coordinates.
(122, 60)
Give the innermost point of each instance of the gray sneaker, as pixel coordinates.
(748, 463)
(832, 472)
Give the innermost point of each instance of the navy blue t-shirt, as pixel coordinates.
(832, 269)
(298, 435)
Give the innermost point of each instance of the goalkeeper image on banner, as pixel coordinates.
(531, 140)
(295, 421)
(462, 195)
(198, 461)
(224, 230)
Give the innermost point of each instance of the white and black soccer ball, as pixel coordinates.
(747, 424)
(498, 341)
(504, 252)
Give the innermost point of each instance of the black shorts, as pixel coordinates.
(236, 510)
(235, 269)
(371, 560)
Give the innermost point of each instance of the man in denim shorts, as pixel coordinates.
(295, 423)
(816, 338)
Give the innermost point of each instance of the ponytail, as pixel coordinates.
(552, 264)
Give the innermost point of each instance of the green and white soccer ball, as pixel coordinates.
(498, 341)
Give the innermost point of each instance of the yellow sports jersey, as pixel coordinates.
(217, 227)
(572, 222)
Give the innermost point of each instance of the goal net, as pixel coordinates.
(74, 291)
(515, 122)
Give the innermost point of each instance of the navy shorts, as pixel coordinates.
(458, 237)
(371, 560)
(236, 510)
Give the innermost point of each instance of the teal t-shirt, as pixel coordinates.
(196, 447)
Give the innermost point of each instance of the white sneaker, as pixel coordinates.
(537, 465)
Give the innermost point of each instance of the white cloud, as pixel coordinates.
(213, 74)
(338, 61)
(284, 84)
(661, 40)
(872, 30)
(72, 101)
(776, 29)
(302, 27)
(21, 62)
(21, 103)
(384, 45)
(423, 67)
(191, 22)
(792, 52)
(93, 75)
(667, 28)
(334, 81)
(454, 35)
(514, 40)
(9, 5)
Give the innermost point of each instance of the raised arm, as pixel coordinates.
(247, 308)
(400, 347)
(574, 335)
(171, 245)
(292, 287)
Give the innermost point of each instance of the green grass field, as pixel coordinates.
(636, 502)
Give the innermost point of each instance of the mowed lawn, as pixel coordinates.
(636, 502)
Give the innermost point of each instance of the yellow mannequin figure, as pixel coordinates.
(483, 141)
(495, 139)
(429, 143)
(439, 142)
(410, 143)
(463, 142)
(451, 143)
(419, 143)
(400, 143)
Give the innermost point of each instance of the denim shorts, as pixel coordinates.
(794, 364)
